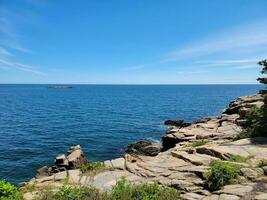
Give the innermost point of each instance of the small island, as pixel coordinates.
(60, 87)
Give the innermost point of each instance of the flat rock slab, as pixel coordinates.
(60, 176)
(74, 176)
(195, 159)
(237, 190)
(118, 163)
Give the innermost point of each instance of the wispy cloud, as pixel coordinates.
(4, 52)
(6, 64)
(251, 38)
(192, 72)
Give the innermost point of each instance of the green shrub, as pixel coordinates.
(262, 163)
(222, 173)
(198, 143)
(93, 167)
(9, 192)
(124, 191)
(240, 159)
(75, 193)
(121, 191)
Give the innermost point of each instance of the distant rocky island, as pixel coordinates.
(60, 87)
(185, 160)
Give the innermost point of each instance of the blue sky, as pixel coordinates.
(132, 42)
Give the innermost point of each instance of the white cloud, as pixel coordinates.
(6, 64)
(251, 38)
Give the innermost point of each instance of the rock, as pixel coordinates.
(265, 169)
(228, 197)
(118, 163)
(196, 159)
(61, 161)
(211, 197)
(176, 122)
(74, 176)
(252, 173)
(108, 164)
(237, 190)
(144, 147)
(192, 196)
(261, 196)
(76, 158)
(42, 172)
(60, 176)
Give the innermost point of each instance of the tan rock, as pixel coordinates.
(118, 163)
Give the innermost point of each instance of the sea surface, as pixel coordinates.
(37, 123)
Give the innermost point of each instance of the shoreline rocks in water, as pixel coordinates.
(179, 163)
(74, 160)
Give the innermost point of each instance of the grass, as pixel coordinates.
(262, 163)
(121, 191)
(93, 167)
(9, 191)
(197, 143)
(222, 173)
(240, 159)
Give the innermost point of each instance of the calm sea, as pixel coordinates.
(38, 123)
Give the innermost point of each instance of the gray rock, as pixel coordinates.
(118, 163)
(60, 176)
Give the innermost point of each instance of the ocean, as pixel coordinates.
(37, 122)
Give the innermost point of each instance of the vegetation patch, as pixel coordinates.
(256, 119)
(262, 163)
(121, 191)
(93, 167)
(240, 159)
(197, 143)
(9, 191)
(222, 173)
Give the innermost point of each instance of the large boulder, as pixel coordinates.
(177, 123)
(144, 147)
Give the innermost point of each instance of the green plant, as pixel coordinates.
(262, 163)
(124, 191)
(9, 191)
(198, 143)
(240, 159)
(74, 193)
(222, 173)
(93, 167)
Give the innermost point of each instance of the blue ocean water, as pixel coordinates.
(38, 123)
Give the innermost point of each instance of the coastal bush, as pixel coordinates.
(221, 173)
(124, 191)
(198, 143)
(74, 193)
(240, 159)
(93, 167)
(262, 163)
(256, 119)
(121, 191)
(9, 191)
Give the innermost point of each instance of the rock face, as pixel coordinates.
(177, 123)
(226, 126)
(181, 165)
(74, 160)
(144, 147)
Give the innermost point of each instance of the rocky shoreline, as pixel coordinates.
(176, 162)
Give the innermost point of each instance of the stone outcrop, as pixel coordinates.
(180, 165)
(75, 159)
(144, 147)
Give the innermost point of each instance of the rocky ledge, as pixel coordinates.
(176, 162)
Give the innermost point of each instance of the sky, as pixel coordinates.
(132, 42)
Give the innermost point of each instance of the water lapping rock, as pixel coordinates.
(176, 162)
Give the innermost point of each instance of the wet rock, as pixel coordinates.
(76, 157)
(42, 172)
(176, 122)
(144, 147)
